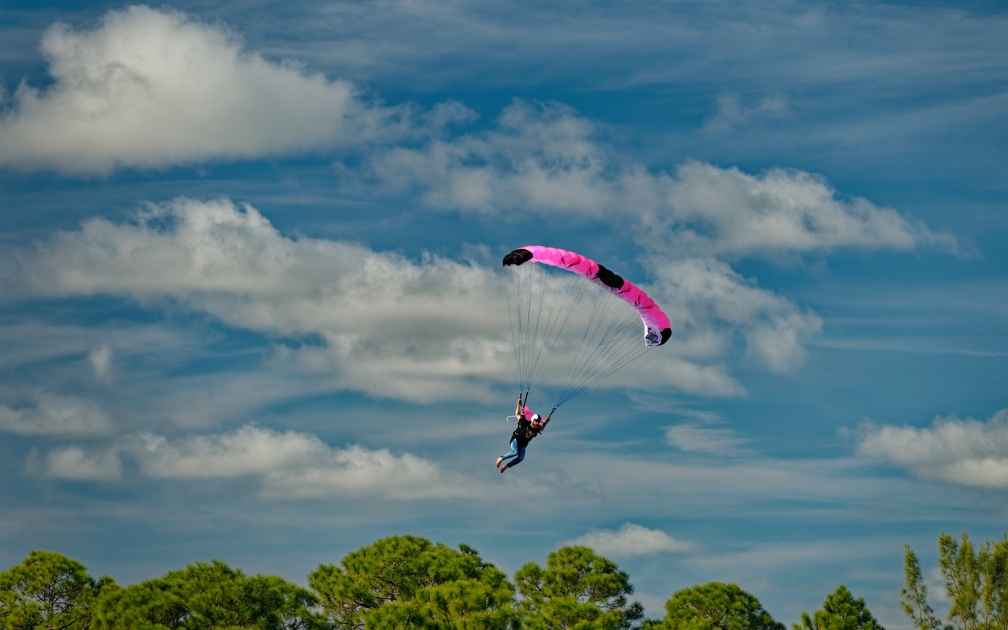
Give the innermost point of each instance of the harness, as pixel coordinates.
(524, 432)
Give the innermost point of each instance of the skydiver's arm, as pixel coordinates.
(518, 409)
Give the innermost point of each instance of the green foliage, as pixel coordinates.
(840, 611)
(716, 605)
(976, 583)
(913, 596)
(406, 581)
(461, 604)
(47, 590)
(409, 582)
(205, 596)
(577, 589)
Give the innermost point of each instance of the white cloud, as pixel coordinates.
(151, 88)
(693, 437)
(76, 463)
(359, 472)
(692, 376)
(422, 330)
(632, 540)
(967, 452)
(101, 361)
(369, 307)
(284, 464)
(402, 326)
(548, 159)
(732, 112)
(725, 212)
(47, 413)
(425, 330)
(706, 300)
(248, 450)
(540, 157)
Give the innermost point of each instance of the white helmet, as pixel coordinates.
(536, 417)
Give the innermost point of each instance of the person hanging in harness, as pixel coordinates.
(521, 436)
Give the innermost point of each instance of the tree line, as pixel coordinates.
(410, 582)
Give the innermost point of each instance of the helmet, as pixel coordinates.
(535, 417)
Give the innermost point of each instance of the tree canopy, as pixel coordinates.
(407, 581)
(47, 590)
(840, 611)
(716, 606)
(577, 589)
(207, 596)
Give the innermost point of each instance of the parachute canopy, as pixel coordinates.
(550, 290)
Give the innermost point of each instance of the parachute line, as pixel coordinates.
(569, 292)
(540, 305)
(608, 344)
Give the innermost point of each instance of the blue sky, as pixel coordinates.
(252, 305)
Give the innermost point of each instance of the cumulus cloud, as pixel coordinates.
(709, 302)
(541, 157)
(417, 329)
(76, 463)
(210, 98)
(548, 159)
(51, 414)
(967, 452)
(248, 450)
(632, 540)
(726, 212)
(150, 88)
(426, 329)
(404, 327)
(284, 465)
(359, 472)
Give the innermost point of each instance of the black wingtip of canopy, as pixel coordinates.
(666, 334)
(610, 279)
(518, 257)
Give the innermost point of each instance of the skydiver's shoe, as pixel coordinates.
(504, 467)
(499, 460)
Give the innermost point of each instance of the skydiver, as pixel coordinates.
(522, 435)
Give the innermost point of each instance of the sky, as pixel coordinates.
(252, 303)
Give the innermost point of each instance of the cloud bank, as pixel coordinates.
(423, 330)
(284, 465)
(45, 413)
(404, 326)
(549, 160)
(153, 88)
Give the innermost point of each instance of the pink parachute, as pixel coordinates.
(569, 304)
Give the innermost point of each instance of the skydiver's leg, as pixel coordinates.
(513, 453)
(521, 456)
